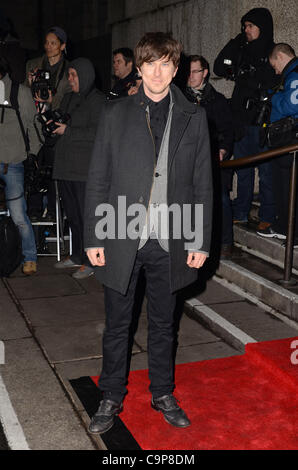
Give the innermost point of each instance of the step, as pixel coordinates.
(260, 278)
(269, 249)
(237, 317)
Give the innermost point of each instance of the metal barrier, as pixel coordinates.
(253, 159)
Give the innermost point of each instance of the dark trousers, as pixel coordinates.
(72, 194)
(281, 181)
(249, 145)
(160, 311)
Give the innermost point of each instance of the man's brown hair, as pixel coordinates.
(284, 48)
(154, 46)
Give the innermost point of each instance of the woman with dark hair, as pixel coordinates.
(53, 61)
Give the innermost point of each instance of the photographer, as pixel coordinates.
(284, 104)
(12, 156)
(73, 152)
(126, 76)
(245, 60)
(220, 125)
(47, 77)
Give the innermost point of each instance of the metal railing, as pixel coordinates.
(253, 159)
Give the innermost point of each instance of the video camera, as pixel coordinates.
(232, 71)
(262, 106)
(54, 116)
(41, 84)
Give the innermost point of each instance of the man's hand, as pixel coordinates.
(60, 129)
(222, 154)
(96, 256)
(196, 260)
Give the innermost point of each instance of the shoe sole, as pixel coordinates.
(265, 235)
(167, 421)
(82, 277)
(67, 267)
(102, 432)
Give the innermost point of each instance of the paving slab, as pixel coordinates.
(45, 286)
(45, 413)
(65, 311)
(12, 325)
(78, 341)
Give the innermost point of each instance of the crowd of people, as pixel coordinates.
(155, 144)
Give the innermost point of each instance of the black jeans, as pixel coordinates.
(160, 311)
(73, 197)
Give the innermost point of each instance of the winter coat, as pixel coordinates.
(123, 163)
(285, 102)
(60, 82)
(74, 147)
(12, 149)
(254, 73)
(219, 118)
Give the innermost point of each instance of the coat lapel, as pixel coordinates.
(180, 121)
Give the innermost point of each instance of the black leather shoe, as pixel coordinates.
(103, 419)
(172, 413)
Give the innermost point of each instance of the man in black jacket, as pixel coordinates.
(73, 152)
(245, 60)
(221, 131)
(125, 73)
(151, 153)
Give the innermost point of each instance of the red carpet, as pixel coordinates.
(247, 402)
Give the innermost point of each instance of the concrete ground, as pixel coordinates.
(51, 326)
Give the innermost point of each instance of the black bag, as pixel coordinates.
(282, 132)
(10, 246)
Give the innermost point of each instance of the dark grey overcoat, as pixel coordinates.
(123, 163)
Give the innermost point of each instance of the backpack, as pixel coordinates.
(10, 246)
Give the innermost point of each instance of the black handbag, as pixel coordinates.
(282, 132)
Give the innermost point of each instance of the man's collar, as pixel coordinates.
(177, 99)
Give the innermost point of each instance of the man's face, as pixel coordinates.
(121, 69)
(73, 80)
(157, 76)
(196, 75)
(278, 62)
(53, 46)
(252, 31)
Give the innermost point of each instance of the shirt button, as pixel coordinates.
(157, 175)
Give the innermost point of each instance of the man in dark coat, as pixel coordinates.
(220, 123)
(73, 153)
(245, 60)
(151, 150)
(125, 73)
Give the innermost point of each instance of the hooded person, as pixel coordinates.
(73, 152)
(245, 60)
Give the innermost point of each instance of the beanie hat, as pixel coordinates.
(59, 32)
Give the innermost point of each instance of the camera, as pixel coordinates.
(233, 71)
(41, 84)
(262, 106)
(54, 116)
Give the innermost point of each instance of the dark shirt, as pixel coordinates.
(158, 112)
